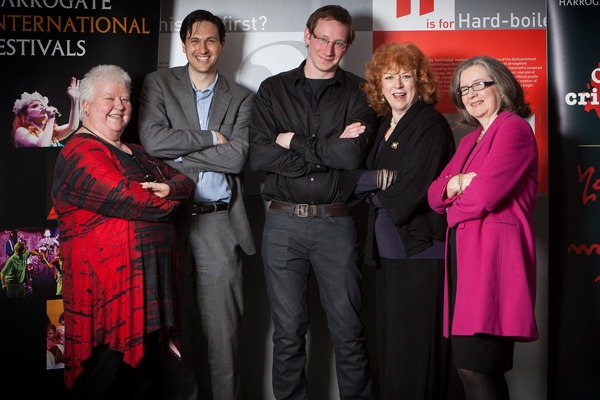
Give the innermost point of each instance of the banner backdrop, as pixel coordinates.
(512, 31)
(574, 120)
(265, 37)
(43, 45)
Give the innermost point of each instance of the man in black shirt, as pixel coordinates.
(309, 125)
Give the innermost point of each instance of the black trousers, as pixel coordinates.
(107, 377)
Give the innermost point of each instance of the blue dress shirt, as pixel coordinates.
(211, 186)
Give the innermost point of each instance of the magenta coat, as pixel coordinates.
(495, 242)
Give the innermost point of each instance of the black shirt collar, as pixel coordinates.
(301, 78)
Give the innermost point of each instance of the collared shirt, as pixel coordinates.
(211, 186)
(309, 172)
(14, 269)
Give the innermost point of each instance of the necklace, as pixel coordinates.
(393, 123)
(90, 131)
(484, 128)
(119, 145)
(480, 135)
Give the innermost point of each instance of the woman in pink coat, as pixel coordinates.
(487, 192)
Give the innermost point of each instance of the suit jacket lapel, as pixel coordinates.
(220, 104)
(477, 147)
(184, 85)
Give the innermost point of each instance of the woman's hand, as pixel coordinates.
(52, 112)
(73, 89)
(467, 179)
(159, 189)
(458, 183)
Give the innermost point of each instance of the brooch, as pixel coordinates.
(394, 145)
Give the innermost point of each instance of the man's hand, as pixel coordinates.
(353, 130)
(284, 139)
(221, 139)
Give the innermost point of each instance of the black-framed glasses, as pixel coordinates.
(476, 87)
(337, 44)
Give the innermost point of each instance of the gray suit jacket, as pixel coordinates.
(169, 128)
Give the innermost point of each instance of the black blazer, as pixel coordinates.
(418, 149)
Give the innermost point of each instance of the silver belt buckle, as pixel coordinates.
(302, 210)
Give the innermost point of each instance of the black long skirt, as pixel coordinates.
(413, 355)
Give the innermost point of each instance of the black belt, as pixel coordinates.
(313, 210)
(207, 208)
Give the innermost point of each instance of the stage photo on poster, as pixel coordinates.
(55, 334)
(43, 270)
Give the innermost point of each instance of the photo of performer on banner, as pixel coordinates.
(36, 121)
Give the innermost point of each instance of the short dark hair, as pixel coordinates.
(20, 248)
(199, 16)
(335, 13)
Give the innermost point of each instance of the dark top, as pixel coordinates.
(418, 149)
(309, 172)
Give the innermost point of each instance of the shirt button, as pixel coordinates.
(312, 179)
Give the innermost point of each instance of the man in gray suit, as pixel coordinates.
(197, 121)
